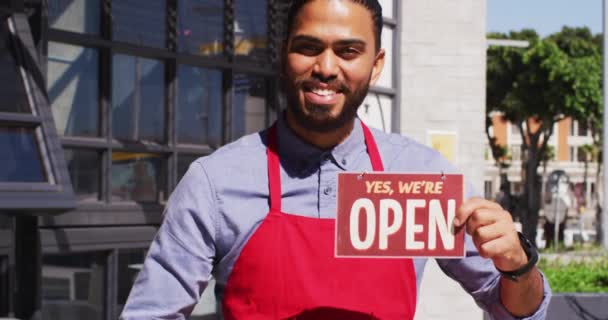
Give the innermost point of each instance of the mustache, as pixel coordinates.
(333, 84)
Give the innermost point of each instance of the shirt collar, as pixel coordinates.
(303, 156)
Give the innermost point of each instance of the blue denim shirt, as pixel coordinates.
(223, 197)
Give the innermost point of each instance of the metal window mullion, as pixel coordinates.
(111, 283)
(106, 102)
(396, 117)
(171, 96)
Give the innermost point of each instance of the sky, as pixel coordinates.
(545, 16)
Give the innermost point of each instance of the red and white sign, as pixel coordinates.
(398, 215)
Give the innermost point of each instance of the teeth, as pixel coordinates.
(323, 92)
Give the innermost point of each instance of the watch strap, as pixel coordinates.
(532, 255)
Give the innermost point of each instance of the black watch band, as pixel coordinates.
(532, 255)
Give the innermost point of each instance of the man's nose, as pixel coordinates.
(327, 65)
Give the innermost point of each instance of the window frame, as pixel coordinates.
(106, 211)
(55, 195)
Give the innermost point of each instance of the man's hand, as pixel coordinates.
(496, 238)
(493, 233)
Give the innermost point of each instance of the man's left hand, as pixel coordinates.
(493, 233)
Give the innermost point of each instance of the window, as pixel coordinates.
(200, 26)
(23, 162)
(80, 16)
(387, 8)
(74, 286)
(138, 99)
(139, 22)
(249, 111)
(251, 29)
(199, 101)
(84, 168)
(73, 89)
(583, 128)
(32, 174)
(138, 177)
(12, 90)
(129, 264)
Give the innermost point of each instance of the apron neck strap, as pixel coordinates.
(274, 164)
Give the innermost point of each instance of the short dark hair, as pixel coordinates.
(372, 5)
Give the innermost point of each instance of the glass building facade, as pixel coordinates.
(130, 92)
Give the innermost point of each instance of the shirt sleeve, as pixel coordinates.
(179, 262)
(481, 280)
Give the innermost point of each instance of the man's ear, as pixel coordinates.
(377, 67)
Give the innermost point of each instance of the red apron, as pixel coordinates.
(287, 269)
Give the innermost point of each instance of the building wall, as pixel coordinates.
(443, 59)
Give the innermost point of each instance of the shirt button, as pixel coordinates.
(343, 162)
(327, 190)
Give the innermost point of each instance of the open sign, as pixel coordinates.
(398, 215)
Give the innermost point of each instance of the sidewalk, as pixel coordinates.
(442, 298)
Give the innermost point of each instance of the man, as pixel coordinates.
(259, 213)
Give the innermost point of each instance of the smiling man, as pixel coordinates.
(259, 214)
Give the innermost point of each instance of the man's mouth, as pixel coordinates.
(321, 96)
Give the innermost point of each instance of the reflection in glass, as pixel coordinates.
(20, 160)
(183, 163)
(200, 26)
(249, 107)
(73, 286)
(376, 111)
(75, 15)
(199, 105)
(386, 77)
(138, 99)
(129, 264)
(73, 89)
(83, 166)
(140, 22)
(138, 177)
(251, 28)
(12, 89)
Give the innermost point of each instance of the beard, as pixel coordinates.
(318, 118)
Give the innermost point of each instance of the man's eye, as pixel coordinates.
(349, 53)
(307, 50)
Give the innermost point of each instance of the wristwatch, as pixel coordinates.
(531, 253)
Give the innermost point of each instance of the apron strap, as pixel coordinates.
(274, 164)
(274, 169)
(372, 149)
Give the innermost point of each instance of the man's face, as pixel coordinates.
(330, 63)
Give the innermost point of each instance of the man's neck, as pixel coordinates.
(322, 140)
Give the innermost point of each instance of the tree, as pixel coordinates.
(554, 78)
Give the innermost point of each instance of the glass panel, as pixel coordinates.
(73, 89)
(140, 22)
(386, 77)
(20, 161)
(73, 286)
(249, 107)
(376, 111)
(138, 177)
(83, 166)
(75, 15)
(12, 90)
(4, 285)
(200, 25)
(183, 163)
(129, 264)
(199, 105)
(138, 99)
(251, 28)
(387, 8)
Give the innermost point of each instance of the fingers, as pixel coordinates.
(490, 239)
(470, 206)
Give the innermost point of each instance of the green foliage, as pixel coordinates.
(589, 275)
